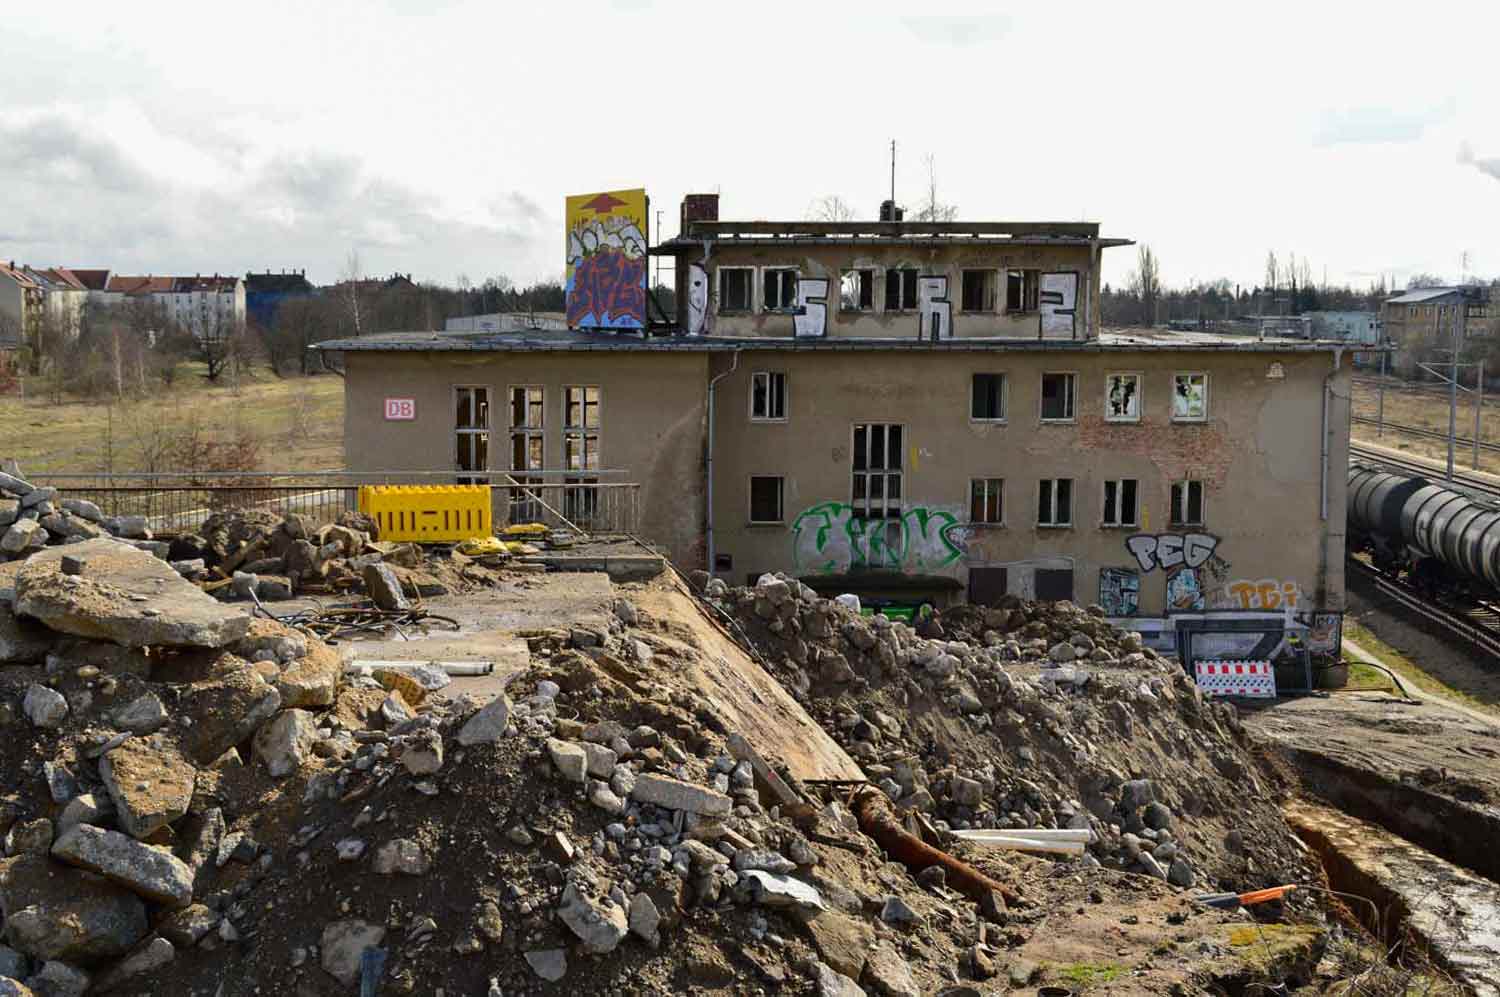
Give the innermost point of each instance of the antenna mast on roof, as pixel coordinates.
(893, 171)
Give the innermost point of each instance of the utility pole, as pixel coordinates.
(893, 174)
(1478, 410)
(1453, 401)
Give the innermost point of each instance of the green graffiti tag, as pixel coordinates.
(829, 537)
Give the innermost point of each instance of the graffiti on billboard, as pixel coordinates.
(831, 537)
(606, 274)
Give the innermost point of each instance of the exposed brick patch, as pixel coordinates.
(1179, 450)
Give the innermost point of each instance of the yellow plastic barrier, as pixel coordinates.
(428, 513)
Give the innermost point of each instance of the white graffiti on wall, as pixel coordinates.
(810, 320)
(697, 299)
(1171, 550)
(1058, 301)
(934, 310)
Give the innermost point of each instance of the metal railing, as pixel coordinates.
(180, 502)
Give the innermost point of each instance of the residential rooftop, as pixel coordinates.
(574, 340)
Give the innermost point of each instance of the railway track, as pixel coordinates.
(1472, 482)
(1466, 443)
(1477, 627)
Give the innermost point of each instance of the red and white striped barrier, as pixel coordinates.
(1253, 679)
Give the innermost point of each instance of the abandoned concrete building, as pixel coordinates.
(900, 410)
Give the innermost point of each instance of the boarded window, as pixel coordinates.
(765, 499)
(987, 397)
(1057, 396)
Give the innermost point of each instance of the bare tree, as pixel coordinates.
(830, 208)
(1419, 280)
(933, 210)
(1273, 272)
(1145, 281)
(352, 278)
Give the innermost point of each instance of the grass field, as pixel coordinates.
(1425, 408)
(298, 423)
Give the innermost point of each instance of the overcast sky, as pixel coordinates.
(440, 137)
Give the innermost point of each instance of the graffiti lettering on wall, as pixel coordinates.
(697, 299)
(1184, 590)
(1265, 593)
(934, 310)
(1119, 591)
(829, 537)
(811, 316)
(606, 273)
(1170, 550)
(1058, 300)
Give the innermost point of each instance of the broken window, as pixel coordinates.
(526, 452)
(1187, 503)
(765, 498)
(1054, 502)
(780, 289)
(1120, 503)
(581, 452)
(1021, 290)
(472, 431)
(876, 488)
(987, 398)
(1189, 397)
(1057, 397)
(986, 501)
(978, 290)
(736, 288)
(900, 290)
(768, 396)
(1122, 397)
(856, 290)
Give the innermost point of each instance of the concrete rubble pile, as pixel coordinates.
(1049, 718)
(33, 517)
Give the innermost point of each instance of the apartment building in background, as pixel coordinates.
(904, 411)
(1427, 319)
(210, 307)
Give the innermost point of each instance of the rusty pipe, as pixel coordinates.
(877, 818)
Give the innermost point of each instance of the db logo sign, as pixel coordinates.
(400, 409)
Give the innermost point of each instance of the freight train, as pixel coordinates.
(1443, 541)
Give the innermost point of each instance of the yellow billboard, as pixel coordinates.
(606, 281)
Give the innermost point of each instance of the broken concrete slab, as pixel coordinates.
(488, 725)
(343, 946)
(286, 742)
(152, 956)
(150, 786)
(383, 587)
(54, 911)
(312, 680)
(126, 596)
(148, 872)
(226, 711)
(674, 794)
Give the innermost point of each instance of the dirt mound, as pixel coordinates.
(1044, 717)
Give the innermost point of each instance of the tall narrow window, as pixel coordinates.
(1187, 503)
(876, 486)
(1122, 398)
(780, 289)
(527, 452)
(472, 431)
(856, 290)
(1189, 397)
(900, 290)
(987, 398)
(1120, 503)
(581, 424)
(765, 499)
(768, 396)
(1057, 397)
(1021, 287)
(987, 501)
(1054, 502)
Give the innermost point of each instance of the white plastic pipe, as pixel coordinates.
(1032, 845)
(1035, 833)
(456, 668)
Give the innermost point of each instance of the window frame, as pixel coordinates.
(521, 507)
(1172, 411)
(1002, 418)
(1054, 524)
(780, 480)
(583, 431)
(1183, 522)
(474, 476)
(990, 291)
(903, 306)
(1140, 395)
(866, 287)
(780, 272)
(719, 307)
(999, 494)
(1041, 402)
(1034, 285)
(769, 375)
(886, 472)
(1119, 522)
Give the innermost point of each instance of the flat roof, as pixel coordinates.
(580, 341)
(872, 233)
(1423, 294)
